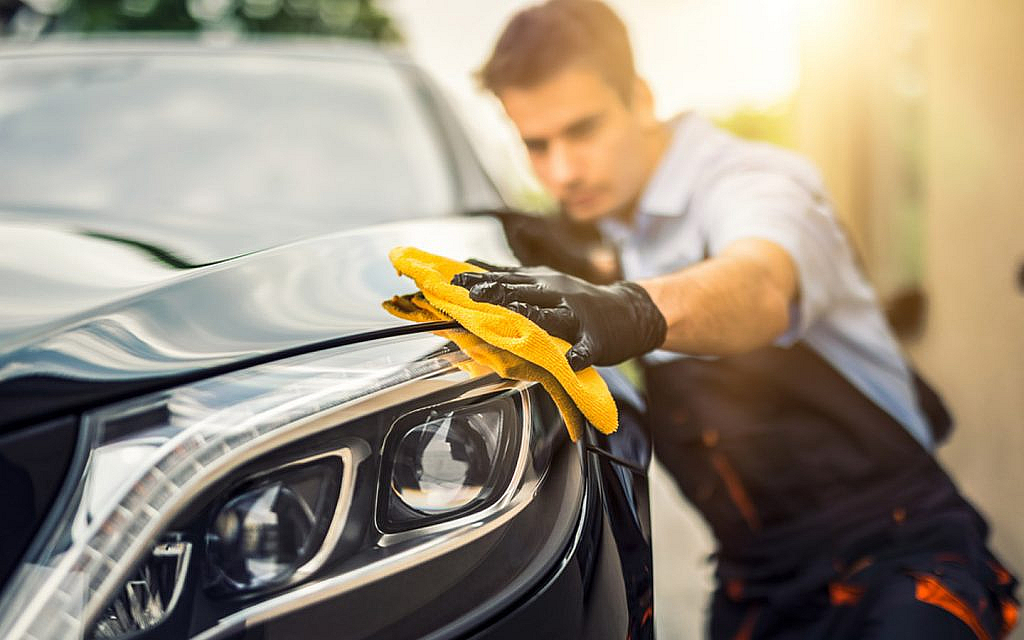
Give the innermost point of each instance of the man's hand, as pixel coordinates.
(606, 324)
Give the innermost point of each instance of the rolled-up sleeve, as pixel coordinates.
(776, 207)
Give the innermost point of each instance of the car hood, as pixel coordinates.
(87, 318)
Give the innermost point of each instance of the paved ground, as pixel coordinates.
(682, 573)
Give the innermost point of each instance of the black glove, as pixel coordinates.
(606, 324)
(558, 242)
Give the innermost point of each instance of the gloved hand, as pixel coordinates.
(560, 243)
(606, 324)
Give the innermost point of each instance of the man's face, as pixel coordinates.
(585, 144)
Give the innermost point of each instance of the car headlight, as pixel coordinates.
(208, 506)
(443, 462)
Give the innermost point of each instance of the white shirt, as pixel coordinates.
(712, 189)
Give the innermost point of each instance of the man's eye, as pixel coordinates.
(582, 130)
(536, 146)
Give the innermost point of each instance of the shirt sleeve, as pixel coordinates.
(775, 207)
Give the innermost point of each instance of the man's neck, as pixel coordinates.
(655, 144)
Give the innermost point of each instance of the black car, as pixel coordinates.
(210, 428)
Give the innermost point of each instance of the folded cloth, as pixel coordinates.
(486, 358)
(519, 349)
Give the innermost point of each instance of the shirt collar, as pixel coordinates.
(668, 190)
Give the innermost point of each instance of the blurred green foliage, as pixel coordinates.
(773, 124)
(346, 18)
(533, 198)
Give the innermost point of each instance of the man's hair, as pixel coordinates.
(542, 40)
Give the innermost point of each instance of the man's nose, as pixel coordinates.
(562, 164)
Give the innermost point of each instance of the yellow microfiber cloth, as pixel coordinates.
(524, 350)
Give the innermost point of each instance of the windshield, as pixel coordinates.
(216, 155)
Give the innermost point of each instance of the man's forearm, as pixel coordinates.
(733, 303)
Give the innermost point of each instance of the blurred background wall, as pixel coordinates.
(973, 345)
(913, 110)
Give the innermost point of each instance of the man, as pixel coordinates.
(792, 423)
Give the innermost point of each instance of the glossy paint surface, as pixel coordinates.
(84, 316)
(116, 197)
(603, 589)
(33, 464)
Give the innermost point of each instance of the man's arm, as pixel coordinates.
(735, 302)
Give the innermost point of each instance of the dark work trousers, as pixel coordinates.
(832, 521)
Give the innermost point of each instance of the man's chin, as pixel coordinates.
(586, 212)
(593, 213)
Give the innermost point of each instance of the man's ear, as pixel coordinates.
(642, 103)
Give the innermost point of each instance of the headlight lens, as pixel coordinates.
(271, 474)
(445, 462)
(440, 468)
(268, 529)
